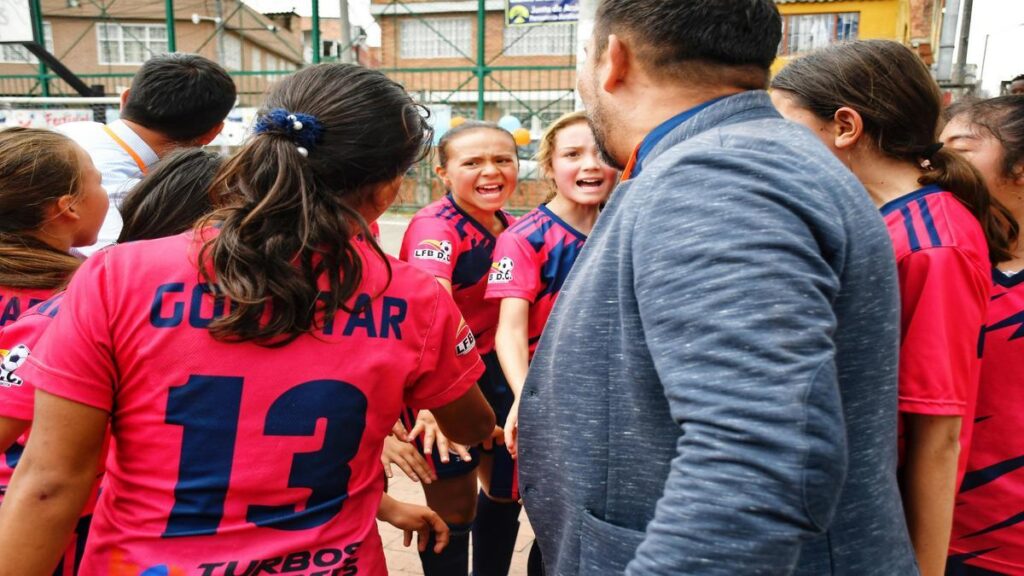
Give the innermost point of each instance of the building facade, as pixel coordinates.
(104, 42)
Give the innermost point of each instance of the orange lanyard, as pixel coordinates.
(128, 149)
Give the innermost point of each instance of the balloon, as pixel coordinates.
(457, 121)
(522, 136)
(510, 123)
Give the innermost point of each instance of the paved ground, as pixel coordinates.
(405, 561)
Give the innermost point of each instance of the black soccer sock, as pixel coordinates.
(535, 564)
(494, 536)
(454, 559)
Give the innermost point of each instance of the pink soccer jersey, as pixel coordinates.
(233, 458)
(16, 301)
(942, 260)
(448, 243)
(532, 260)
(988, 521)
(17, 340)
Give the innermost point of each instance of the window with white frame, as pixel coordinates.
(272, 64)
(232, 52)
(546, 40)
(806, 32)
(255, 58)
(130, 43)
(18, 54)
(436, 37)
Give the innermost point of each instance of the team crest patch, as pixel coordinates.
(12, 360)
(465, 341)
(501, 271)
(436, 250)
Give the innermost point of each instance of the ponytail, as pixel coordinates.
(37, 167)
(32, 264)
(950, 171)
(286, 254)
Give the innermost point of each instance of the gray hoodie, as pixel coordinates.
(715, 391)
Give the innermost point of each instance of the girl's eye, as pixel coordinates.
(572, 155)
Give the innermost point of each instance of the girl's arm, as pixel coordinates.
(413, 518)
(10, 430)
(928, 482)
(51, 484)
(512, 343)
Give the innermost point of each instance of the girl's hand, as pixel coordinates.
(412, 518)
(432, 435)
(408, 458)
(512, 429)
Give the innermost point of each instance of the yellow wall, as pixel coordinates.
(884, 19)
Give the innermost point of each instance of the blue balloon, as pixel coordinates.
(510, 123)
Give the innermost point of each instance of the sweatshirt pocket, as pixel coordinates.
(606, 548)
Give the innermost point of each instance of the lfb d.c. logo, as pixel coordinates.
(501, 271)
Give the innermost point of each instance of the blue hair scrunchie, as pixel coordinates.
(303, 129)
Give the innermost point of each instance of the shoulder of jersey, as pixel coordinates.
(527, 223)
(939, 220)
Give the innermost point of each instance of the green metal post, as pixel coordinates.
(481, 56)
(37, 24)
(172, 44)
(316, 32)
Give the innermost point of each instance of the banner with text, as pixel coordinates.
(533, 12)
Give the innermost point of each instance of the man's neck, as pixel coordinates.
(157, 142)
(659, 104)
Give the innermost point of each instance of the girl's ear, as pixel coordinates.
(1018, 174)
(847, 127)
(63, 209)
(442, 173)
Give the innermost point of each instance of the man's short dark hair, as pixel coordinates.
(680, 36)
(181, 96)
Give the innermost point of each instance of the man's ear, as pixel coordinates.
(618, 64)
(124, 99)
(209, 135)
(847, 128)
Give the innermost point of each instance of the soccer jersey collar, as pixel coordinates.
(902, 201)
(479, 226)
(568, 228)
(655, 136)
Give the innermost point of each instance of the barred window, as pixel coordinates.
(806, 32)
(232, 52)
(18, 54)
(546, 40)
(130, 43)
(436, 37)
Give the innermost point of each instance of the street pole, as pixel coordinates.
(40, 36)
(481, 57)
(315, 32)
(347, 51)
(965, 36)
(172, 44)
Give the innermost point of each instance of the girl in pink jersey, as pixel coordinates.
(988, 537)
(453, 239)
(534, 256)
(167, 201)
(876, 106)
(51, 201)
(252, 368)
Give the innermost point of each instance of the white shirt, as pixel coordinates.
(120, 171)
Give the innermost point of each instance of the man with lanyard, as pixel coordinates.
(715, 390)
(175, 100)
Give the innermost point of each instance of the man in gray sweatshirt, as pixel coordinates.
(715, 392)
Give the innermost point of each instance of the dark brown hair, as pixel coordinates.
(172, 197)
(37, 167)
(727, 42)
(468, 126)
(1003, 117)
(900, 105)
(291, 219)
